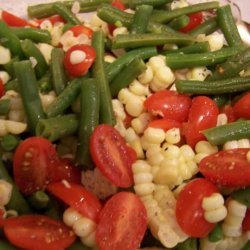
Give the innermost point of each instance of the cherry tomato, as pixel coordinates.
(227, 168)
(13, 20)
(38, 232)
(169, 104)
(32, 163)
(127, 120)
(77, 197)
(202, 115)
(189, 212)
(119, 5)
(195, 20)
(111, 155)
(229, 111)
(123, 222)
(242, 107)
(81, 68)
(246, 221)
(164, 124)
(53, 19)
(2, 90)
(81, 29)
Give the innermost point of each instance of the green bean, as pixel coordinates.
(4, 106)
(46, 9)
(114, 68)
(142, 40)
(127, 75)
(106, 109)
(29, 93)
(5, 245)
(17, 201)
(31, 51)
(246, 247)
(89, 119)
(216, 234)
(36, 35)
(59, 78)
(141, 18)
(231, 131)
(133, 3)
(179, 61)
(77, 245)
(39, 200)
(220, 100)
(232, 66)
(45, 83)
(189, 244)
(11, 40)
(207, 28)
(227, 24)
(162, 16)
(9, 66)
(9, 142)
(242, 196)
(12, 85)
(179, 22)
(56, 127)
(67, 26)
(232, 85)
(195, 48)
(65, 13)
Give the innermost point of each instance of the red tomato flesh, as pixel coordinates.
(229, 111)
(111, 155)
(227, 168)
(123, 222)
(53, 19)
(195, 20)
(2, 90)
(164, 124)
(38, 232)
(77, 197)
(242, 107)
(169, 104)
(189, 212)
(13, 20)
(246, 221)
(81, 29)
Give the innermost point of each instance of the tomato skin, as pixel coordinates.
(189, 212)
(169, 104)
(82, 68)
(229, 111)
(202, 115)
(2, 90)
(81, 29)
(38, 232)
(195, 20)
(123, 223)
(164, 124)
(242, 107)
(53, 19)
(78, 197)
(13, 20)
(111, 155)
(246, 221)
(227, 168)
(32, 163)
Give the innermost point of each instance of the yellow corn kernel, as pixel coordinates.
(236, 208)
(173, 136)
(138, 89)
(199, 157)
(221, 119)
(136, 145)
(216, 215)
(156, 62)
(145, 144)
(70, 216)
(172, 151)
(144, 189)
(90, 240)
(187, 152)
(147, 76)
(140, 123)
(130, 135)
(205, 147)
(141, 166)
(4, 76)
(134, 106)
(212, 202)
(243, 143)
(198, 73)
(84, 227)
(143, 178)
(154, 135)
(230, 145)
(233, 220)
(155, 159)
(5, 55)
(231, 231)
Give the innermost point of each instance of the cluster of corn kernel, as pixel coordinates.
(232, 225)
(5, 192)
(83, 227)
(160, 205)
(214, 209)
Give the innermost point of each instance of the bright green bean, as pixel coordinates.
(207, 28)
(45, 83)
(9, 142)
(179, 22)
(216, 234)
(189, 244)
(39, 200)
(133, 3)
(9, 67)
(4, 106)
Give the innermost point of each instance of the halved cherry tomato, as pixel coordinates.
(169, 104)
(229, 111)
(164, 124)
(127, 120)
(119, 5)
(81, 29)
(81, 68)
(242, 107)
(2, 90)
(111, 155)
(202, 115)
(195, 20)
(227, 168)
(53, 19)
(32, 160)
(246, 221)
(13, 20)
(38, 232)
(189, 212)
(123, 222)
(77, 197)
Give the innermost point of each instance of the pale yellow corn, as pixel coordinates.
(11, 127)
(145, 144)
(84, 227)
(177, 190)
(231, 144)
(70, 216)
(155, 149)
(90, 240)
(221, 119)
(156, 62)
(199, 157)
(144, 189)
(17, 116)
(147, 76)
(154, 170)
(198, 73)
(165, 75)
(184, 171)
(5, 55)
(140, 123)
(77, 56)
(143, 178)
(173, 136)
(216, 215)
(243, 143)
(109, 58)
(212, 202)
(231, 231)
(124, 95)
(56, 34)
(181, 74)
(168, 176)
(155, 159)
(75, 7)
(120, 31)
(47, 99)
(118, 109)
(178, 4)
(187, 152)
(136, 145)
(5, 192)
(141, 166)
(4, 76)
(46, 50)
(215, 40)
(165, 197)
(233, 220)
(134, 106)
(236, 208)
(154, 135)
(138, 89)
(205, 147)
(130, 135)
(172, 151)
(119, 126)
(97, 24)
(46, 25)
(192, 166)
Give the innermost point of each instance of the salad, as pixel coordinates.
(124, 128)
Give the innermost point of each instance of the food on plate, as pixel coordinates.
(124, 125)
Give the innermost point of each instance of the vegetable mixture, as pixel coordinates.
(124, 129)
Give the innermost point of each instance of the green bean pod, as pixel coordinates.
(179, 22)
(29, 93)
(189, 244)
(12, 85)
(31, 51)
(45, 83)
(216, 234)
(242, 196)
(9, 142)
(231, 131)
(5, 245)
(17, 201)
(246, 247)
(99, 73)
(207, 28)
(9, 67)
(39, 200)
(127, 75)
(155, 3)
(56, 127)
(89, 119)
(4, 106)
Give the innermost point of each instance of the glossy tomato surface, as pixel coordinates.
(164, 124)
(111, 155)
(81, 30)
(195, 20)
(242, 107)
(227, 168)
(38, 232)
(123, 222)
(2, 90)
(189, 212)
